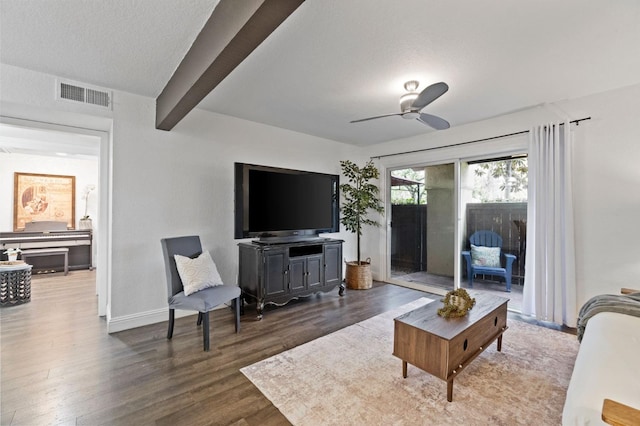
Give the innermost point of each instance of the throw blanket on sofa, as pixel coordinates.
(624, 304)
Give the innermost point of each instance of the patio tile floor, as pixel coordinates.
(446, 283)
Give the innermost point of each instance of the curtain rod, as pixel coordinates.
(468, 142)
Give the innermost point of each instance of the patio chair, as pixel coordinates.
(486, 257)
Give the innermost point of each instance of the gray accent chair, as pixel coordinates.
(202, 301)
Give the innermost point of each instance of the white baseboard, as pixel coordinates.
(127, 322)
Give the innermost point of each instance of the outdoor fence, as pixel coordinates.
(408, 236)
(509, 221)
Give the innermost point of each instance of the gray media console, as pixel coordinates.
(280, 272)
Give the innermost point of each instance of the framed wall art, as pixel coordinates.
(38, 197)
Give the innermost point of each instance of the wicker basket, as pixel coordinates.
(358, 276)
(15, 283)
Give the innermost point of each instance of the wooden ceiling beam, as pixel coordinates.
(233, 31)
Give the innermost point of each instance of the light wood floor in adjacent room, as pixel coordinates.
(60, 367)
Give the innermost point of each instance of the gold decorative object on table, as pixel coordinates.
(457, 303)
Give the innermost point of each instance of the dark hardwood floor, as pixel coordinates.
(60, 367)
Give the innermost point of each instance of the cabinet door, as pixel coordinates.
(275, 273)
(297, 272)
(333, 264)
(249, 272)
(314, 271)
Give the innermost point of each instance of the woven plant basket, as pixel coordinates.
(358, 276)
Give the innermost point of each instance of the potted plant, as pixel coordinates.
(360, 198)
(85, 221)
(12, 254)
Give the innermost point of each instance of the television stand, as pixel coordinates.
(277, 273)
(286, 240)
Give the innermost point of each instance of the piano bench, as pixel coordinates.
(48, 252)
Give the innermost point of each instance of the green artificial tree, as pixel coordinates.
(360, 197)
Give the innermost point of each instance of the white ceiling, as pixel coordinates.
(22, 140)
(333, 61)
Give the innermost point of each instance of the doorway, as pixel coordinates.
(423, 226)
(51, 146)
(494, 198)
(433, 209)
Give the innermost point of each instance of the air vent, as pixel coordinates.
(78, 92)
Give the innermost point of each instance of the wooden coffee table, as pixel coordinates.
(444, 347)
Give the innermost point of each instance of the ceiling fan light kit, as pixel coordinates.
(407, 100)
(412, 102)
(411, 85)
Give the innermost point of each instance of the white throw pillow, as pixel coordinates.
(485, 256)
(197, 274)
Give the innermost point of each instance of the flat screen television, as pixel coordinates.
(273, 203)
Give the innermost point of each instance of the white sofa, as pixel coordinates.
(607, 366)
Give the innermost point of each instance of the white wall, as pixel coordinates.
(606, 178)
(84, 170)
(174, 183)
(607, 192)
(181, 183)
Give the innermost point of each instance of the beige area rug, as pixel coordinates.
(350, 377)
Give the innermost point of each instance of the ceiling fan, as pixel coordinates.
(412, 102)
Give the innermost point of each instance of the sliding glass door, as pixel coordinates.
(422, 226)
(493, 195)
(435, 209)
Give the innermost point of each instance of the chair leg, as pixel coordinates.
(237, 313)
(205, 330)
(199, 318)
(172, 316)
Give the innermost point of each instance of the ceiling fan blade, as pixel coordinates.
(433, 121)
(429, 95)
(377, 116)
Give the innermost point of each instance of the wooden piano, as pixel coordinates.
(49, 234)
